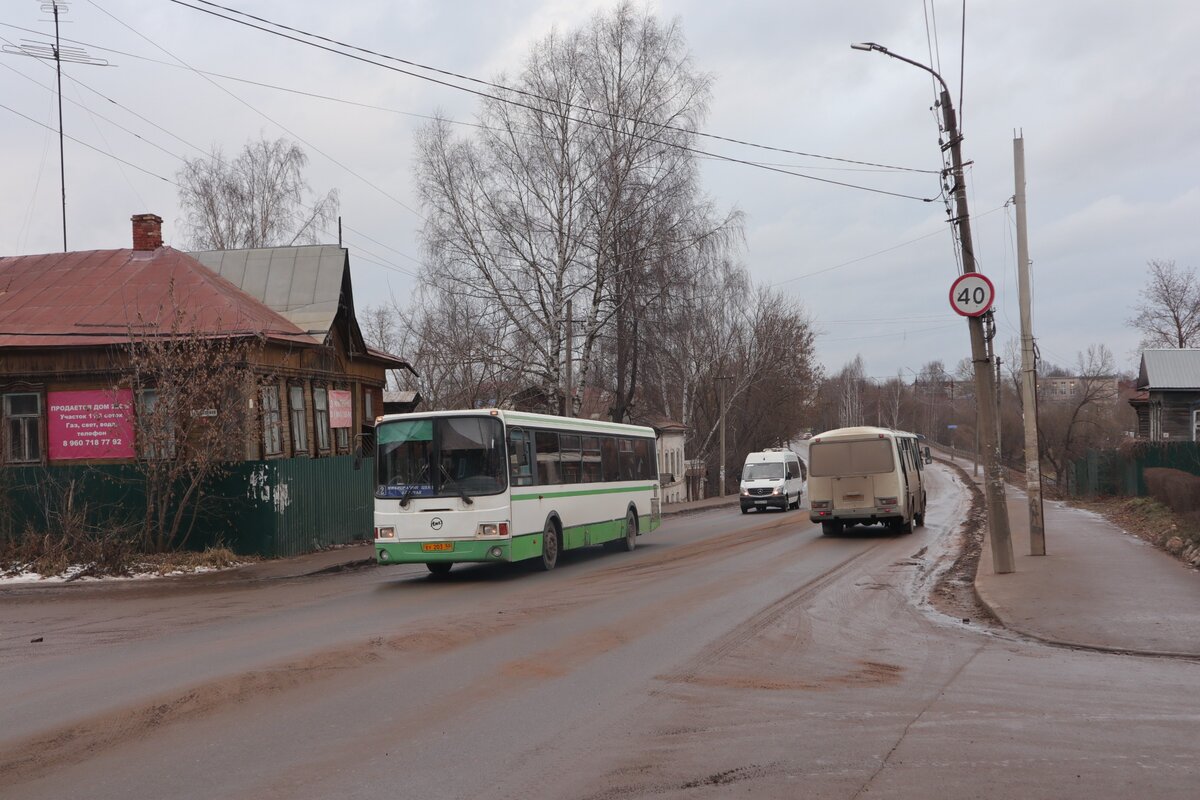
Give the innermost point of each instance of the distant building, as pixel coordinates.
(1066, 388)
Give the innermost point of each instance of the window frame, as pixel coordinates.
(298, 412)
(23, 421)
(272, 419)
(321, 417)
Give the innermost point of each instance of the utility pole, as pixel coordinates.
(721, 401)
(1033, 461)
(569, 406)
(985, 385)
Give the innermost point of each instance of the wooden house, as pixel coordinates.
(1167, 401)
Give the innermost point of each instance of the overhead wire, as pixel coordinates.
(523, 92)
(264, 115)
(581, 121)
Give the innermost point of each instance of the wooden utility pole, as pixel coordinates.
(1033, 461)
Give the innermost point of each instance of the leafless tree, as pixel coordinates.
(1169, 312)
(575, 190)
(1088, 418)
(258, 199)
(852, 380)
(193, 418)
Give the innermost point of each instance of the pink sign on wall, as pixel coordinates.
(341, 409)
(90, 424)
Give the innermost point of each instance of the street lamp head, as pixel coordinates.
(868, 46)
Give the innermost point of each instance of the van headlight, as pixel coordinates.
(778, 490)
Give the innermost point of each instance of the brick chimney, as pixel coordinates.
(147, 231)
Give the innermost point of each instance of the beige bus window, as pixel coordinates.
(829, 459)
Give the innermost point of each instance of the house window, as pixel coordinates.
(299, 419)
(321, 416)
(156, 426)
(1196, 426)
(271, 420)
(23, 428)
(368, 406)
(342, 435)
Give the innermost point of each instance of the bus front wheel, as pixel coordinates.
(631, 531)
(549, 546)
(439, 567)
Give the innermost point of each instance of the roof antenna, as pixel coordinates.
(72, 55)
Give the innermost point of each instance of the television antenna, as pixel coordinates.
(55, 52)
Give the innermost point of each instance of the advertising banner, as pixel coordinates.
(90, 424)
(341, 408)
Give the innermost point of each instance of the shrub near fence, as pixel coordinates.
(1123, 471)
(1177, 489)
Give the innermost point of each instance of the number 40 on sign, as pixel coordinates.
(971, 295)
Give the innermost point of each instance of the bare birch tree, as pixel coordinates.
(1169, 312)
(574, 190)
(258, 199)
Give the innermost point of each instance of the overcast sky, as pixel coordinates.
(1105, 93)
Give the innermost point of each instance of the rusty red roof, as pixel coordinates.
(96, 297)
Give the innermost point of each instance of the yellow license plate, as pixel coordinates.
(437, 547)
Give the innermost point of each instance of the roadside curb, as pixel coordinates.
(1065, 643)
(678, 512)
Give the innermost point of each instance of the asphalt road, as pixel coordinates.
(729, 655)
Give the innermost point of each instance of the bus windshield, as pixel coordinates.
(440, 457)
(866, 457)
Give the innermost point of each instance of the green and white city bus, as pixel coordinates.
(493, 485)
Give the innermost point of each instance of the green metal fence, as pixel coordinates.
(1122, 472)
(281, 507)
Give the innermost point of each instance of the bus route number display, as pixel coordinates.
(971, 295)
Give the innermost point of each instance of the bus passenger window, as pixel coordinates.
(520, 465)
(591, 459)
(608, 459)
(548, 472)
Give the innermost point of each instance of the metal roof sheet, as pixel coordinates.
(97, 297)
(302, 283)
(1170, 369)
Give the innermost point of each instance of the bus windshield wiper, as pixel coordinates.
(458, 486)
(412, 487)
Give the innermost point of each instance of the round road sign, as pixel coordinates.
(972, 294)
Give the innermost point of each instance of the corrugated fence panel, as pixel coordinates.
(1122, 472)
(274, 508)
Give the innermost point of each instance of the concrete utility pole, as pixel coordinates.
(1033, 460)
(985, 385)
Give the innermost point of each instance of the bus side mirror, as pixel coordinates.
(928, 456)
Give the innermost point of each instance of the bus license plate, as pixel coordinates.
(434, 547)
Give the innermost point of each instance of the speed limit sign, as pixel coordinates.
(972, 294)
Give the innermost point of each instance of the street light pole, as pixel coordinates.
(985, 385)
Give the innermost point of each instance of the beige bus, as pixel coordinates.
(866, 476)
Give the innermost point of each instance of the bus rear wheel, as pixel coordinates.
(631, 531)
(549, 546)
(831, 528)
(439, 567)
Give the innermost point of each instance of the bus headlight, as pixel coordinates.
(386, 532)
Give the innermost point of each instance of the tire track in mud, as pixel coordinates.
(76, 742)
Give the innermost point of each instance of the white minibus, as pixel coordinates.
(772, 478)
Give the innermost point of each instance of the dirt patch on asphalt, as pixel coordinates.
(954, 593)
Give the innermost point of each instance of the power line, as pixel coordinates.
(526, 93)
(265, 116)
(508, 101)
